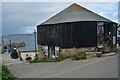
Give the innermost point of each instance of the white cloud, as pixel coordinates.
(108, 10)
(103, 13)
(111, 15)
(30, 29)
(27, 15)
(59, 1)
(115, 14)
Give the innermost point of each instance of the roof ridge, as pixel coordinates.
(83, 13)
(77, 5)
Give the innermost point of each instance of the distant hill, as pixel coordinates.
(28, 39)
(19, 34)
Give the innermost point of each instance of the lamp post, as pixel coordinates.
(10, 44)
(36, 56)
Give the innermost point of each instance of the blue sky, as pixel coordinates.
(23, 17)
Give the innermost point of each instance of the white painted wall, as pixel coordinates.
(31, 54)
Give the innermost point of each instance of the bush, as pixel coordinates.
(6, 74)
(76, 57)
(98, 55)
(79, 56)
(64, 56)
(47, 60)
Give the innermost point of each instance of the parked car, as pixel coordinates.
(118, 40)
(4, 49)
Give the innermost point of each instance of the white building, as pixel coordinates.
(118, 35)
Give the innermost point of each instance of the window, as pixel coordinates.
(100, 28)
(100, 32)
(119, 32)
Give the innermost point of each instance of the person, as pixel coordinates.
(14, 54)
(19, 54)
(117, 45)
(9, 50)
(107, 39)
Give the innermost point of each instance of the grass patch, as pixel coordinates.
(47, 60)
(79, 56)
(62, 57)
(98, 55)
(6, 74)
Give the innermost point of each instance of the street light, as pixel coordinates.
(36, 56)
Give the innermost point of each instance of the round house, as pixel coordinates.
(76, 27)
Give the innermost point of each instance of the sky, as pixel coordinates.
(23, 17)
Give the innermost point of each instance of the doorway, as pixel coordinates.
(100, 33)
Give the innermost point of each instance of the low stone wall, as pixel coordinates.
(88, 51)
(41, 50)
(90, 55)
(73, 51)
(31, 54)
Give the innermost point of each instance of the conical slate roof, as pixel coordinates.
(75, 13)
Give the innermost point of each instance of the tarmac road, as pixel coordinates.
(105, 67)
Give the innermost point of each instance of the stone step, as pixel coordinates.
(106, 49)
(92, 54)
(109, 54)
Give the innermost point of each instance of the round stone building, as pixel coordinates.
(75, 27)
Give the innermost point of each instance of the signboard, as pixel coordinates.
(46, 50)
(114, 40)
(56, 51)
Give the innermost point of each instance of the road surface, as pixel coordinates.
(105, 67)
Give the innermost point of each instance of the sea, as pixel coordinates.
(28, 39)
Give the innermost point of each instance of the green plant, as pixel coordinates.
(98, 55)
(113, 49)
(0, 71)
(64, 56)
(76, 57)
(6, 74)
(79, 56)
(47, 60)
(83, 56)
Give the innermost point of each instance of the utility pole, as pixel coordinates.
(36, 56)
(10, 44)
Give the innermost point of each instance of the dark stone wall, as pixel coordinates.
(68, 35)
(85, 34)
